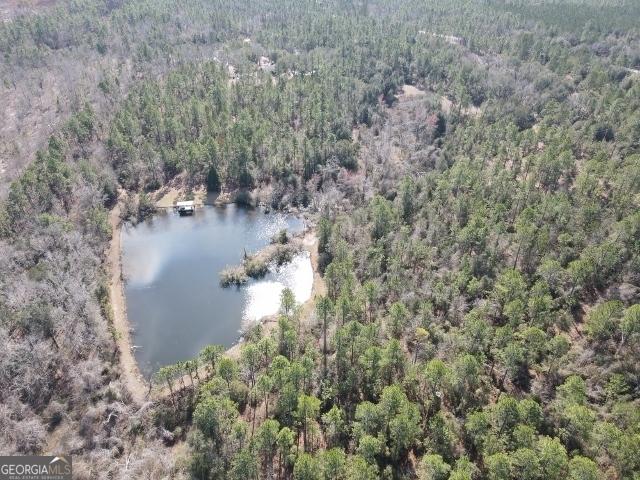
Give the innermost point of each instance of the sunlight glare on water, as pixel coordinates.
(263, 296)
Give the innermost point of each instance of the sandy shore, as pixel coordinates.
(133, 379)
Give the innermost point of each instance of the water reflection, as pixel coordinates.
(263, 296)
(171, 267)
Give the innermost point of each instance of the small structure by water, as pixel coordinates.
(186, 207)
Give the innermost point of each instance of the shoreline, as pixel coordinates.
(309, 243)
(130, 373)
(140, 388)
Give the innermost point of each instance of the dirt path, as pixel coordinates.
(310, 243)
(131, 375)
(169, 195)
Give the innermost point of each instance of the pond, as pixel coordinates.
(171, 267)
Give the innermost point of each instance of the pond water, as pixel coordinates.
(171, 267)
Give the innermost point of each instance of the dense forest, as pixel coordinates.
(472, 169)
